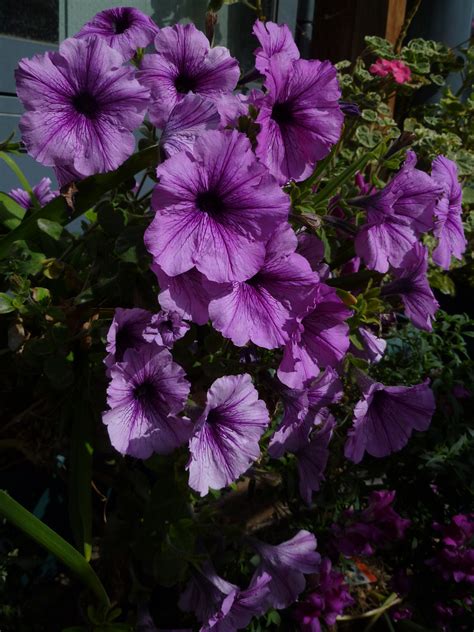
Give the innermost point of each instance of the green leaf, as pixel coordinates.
(11, 213)
(54, 543)
(6, 304)
(53, 229)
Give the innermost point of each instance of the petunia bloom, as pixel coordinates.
(146, 392)
(386, 416)
(184, 294)
(273, 39)
(328, 597)
(81, 106)
(42, 192)
(411, 283)
(127, 331)
(263, 308)
(169, 327)
(300, 118)
(287, 563)
(373, 347)
(205, 592)
(185, 62)
(312, 249)
(124, 29)
(448, 213)
(225, 442)
(215, 209)
(321, 339)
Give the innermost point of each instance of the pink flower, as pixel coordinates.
(400, 72)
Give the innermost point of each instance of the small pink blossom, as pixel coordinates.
(400, 72)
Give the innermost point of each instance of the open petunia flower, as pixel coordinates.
(225, 442)
(124, 29)
(215, 209)
(386, 416)
(185, 62)
(273, 39)
(81, 107)
(147, 390)
(300, 118)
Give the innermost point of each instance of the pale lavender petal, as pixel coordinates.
(185, 294)
(274, 39)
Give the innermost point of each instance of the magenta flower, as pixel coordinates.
(185, 62)
(273, 39)
(124, 29)
(300, 118)
(412, 285)
(215, 210)
(225, 442)
(312, 458)
(184, 294)
(320, 339)
(448, 213)
(263, 308)
(287, 563)
(42, 193)
(81, 106)
(329, 597)
(146, 392)
(130, 329)
(400, 72)
(188, 119)
(386, 417)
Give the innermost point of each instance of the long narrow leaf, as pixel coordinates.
(54, 543)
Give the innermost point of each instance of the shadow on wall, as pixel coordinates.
(169, 12)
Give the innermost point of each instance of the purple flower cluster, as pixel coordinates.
(454, 561)
(376, 526)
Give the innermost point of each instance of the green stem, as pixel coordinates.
(21, 177)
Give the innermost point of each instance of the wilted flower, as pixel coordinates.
(42, 193)
(81, 106)
(146, 392)
(124, 29)
(225, 442)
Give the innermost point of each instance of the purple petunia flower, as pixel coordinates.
(185, 62)
(329, 597)
(169, 326)
(386, 417)
(373, 346)
(412, 285)
(184, 294)
(130, 329)
(312, 249)
(455, 558)
(215, 210)
(205, 592)
(263, 308)
(225, 442)
(396, 214)
(300, 406)
(124, 29)
(320, 339)
(188, 119)
(42, 193)
(448, 213)
(81, 106)
(274, 39)
(146, 392)
(287, 563)
(300, 118)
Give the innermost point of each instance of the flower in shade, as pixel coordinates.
(273, 39)
(81, 106)
(189, 118)
(373, 347)
(312, 249)
(300, 118)
(400, 72)
(146, 392)
(300, 407)
(376, 526)
(411, 283)
(396, 214)
(287, 563)
(185, 62)
(42, 192)
(215, 210)
(320, 339)
(124, 29)
(329, 597)
(184, 294)
(448, 213)
(130, 329)
(169, 327)
(263, 308)
(205, 592)
(386, 416)
(455, 558)
(225, 442)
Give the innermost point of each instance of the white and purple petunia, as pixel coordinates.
(146, 392)
(225, 441)
(215, 209)
(386, 416)
(81, 107)
(287, 563)
(124, 29)
(448, 213)
(184, 62)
